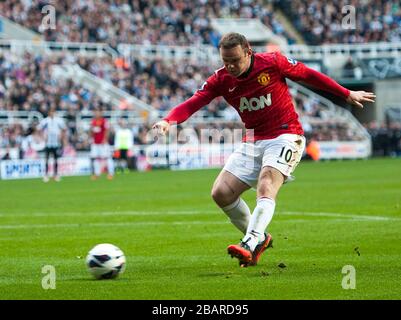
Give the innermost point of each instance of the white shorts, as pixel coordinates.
(282, 153)
(100, 151)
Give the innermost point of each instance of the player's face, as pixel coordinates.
(236, 60)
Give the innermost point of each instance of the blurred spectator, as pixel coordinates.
(163, 22)
(386, 138)
(351, 69)
(53, 129)
(322, 22)
(160, 83)
(123, 143)
(33, 144)
(100, 149)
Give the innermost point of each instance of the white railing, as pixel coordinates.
(104, 89)
(205, 52)
(202, 53)
(363, 50)
(84, 48)
(16, 31)
(332, 110)
(301, 52)
(23, 117)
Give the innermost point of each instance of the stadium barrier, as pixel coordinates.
(173, 156)
(23, 117)
(35, 168)
(104, 89)
(330, 150)
(200, 156)
(83, 48)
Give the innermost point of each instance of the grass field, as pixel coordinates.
(175, 238)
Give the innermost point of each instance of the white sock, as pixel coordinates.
(110, 166)
(239, 214)
(260, 219)
(96, 165)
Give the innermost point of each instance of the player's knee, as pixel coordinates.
(220, 196)
(216, 194)
(269, 184)
(266, 179)
(266, 190)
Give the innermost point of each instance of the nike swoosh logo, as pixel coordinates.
(231, 89)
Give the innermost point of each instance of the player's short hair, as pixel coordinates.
(233, 39)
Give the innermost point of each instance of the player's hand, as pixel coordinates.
(161, 127)
(356, 98)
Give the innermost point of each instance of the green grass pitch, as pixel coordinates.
(174, 237)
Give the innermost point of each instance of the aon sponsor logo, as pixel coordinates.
(254, 104)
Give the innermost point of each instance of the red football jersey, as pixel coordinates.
(99, 129)
(261, 96)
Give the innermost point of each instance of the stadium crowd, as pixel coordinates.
(179, 22)
(18, 141)
(331, 21)
(162, 22)
(386, 138)
(27, 84)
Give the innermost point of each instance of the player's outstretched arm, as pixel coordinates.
(161, 127)
(187, 108)
(357, 98)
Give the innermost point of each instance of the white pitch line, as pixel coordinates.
(339, 215)
(133, 224)
(348, 216)
(108, 213)
(340, 218)
(105, 224)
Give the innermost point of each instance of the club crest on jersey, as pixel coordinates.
(264, 78)
(255, 104)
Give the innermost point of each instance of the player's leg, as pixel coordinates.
(95, 165)
(55, 153)
(110, 162)
(255, 240)
(93, 168)
(238, 175)
(124, 157)
(280, 158)
(46, 176)
(269, 184)
(226, 192)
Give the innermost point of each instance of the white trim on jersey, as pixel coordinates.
(216, 71)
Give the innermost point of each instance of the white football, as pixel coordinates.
(105, 261)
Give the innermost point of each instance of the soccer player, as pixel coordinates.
(123, 143)
(100, 148)
(54, 130)
(254, 84)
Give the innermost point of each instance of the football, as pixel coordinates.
(105, 261)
